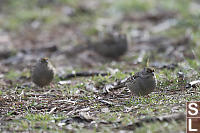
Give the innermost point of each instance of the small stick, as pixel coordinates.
(83, 74)
(166, 118)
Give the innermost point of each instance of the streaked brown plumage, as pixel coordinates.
(142, 83)
(109, 45)
(43, 72)
(112, 46)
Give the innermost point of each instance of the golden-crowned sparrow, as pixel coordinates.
(112, 46)
(43, 72)
(142, 83)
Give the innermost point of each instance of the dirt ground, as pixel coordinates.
(160, 34)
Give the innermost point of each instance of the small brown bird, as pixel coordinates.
(112, 46)
(142, 83)
(43, 72)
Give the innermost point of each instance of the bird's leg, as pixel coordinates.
(35, 90)
(52, 85)
(147, 96)
(47, 90)
(133, 97)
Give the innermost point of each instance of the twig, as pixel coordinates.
(83, 74)
(51, 48)
(116, 87)
(166, 66)
(166, 118)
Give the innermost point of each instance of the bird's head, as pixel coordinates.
(44, 60)
(148, 70)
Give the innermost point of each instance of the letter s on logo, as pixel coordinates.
(193, 108)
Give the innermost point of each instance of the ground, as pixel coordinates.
(161, 34)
